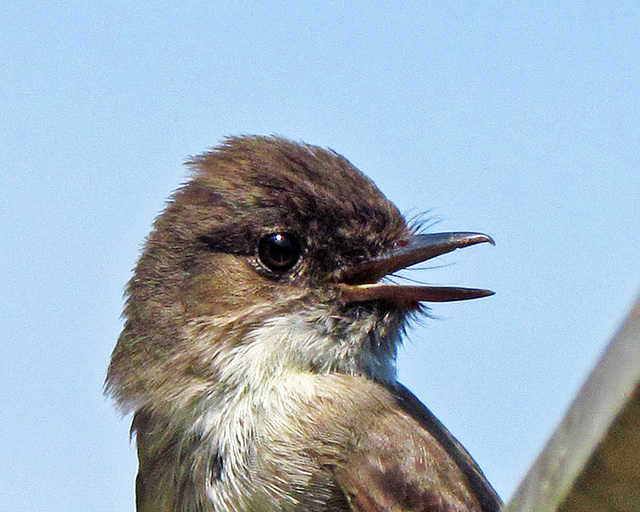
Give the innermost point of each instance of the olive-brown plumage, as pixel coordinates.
(258, 352)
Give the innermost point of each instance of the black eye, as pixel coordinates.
(279, 252)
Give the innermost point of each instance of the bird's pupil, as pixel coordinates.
(279, 251)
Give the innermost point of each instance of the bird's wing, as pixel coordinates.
(151, 496)
(484, 492)
(162, 484)
(409, 462)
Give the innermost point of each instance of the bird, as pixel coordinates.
(258, 351)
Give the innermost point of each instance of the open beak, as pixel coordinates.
(359, 283)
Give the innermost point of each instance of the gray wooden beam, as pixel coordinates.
(592, 461)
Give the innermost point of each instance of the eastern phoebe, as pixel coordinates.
(259, 349)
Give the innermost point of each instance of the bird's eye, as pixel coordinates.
(279, 252)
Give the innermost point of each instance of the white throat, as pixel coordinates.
(305, 342)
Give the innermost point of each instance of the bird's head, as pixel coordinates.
(269, 260)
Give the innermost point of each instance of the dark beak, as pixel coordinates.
(359, 283)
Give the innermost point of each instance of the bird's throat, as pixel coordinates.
(310, 341)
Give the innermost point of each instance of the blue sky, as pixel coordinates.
(518, 120)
